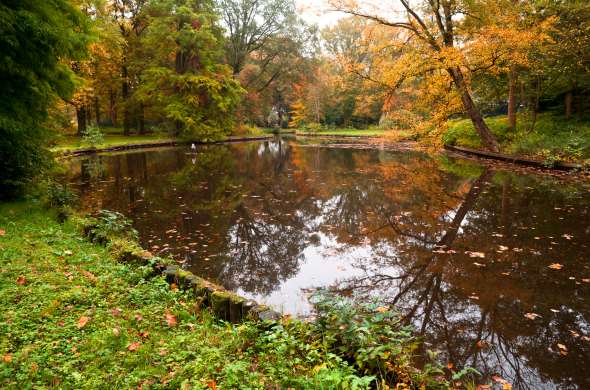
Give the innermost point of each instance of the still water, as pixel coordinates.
(491, 267)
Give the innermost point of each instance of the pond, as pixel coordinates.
(492, 267)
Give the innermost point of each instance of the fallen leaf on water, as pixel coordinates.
(532, 316)
(21, 280)
(480, 255)
(83, 321)
(556, 266)
(170, 319)
(133, 346)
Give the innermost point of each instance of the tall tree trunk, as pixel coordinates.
(141, 119)
(512, 82)
(112, 108)
(569, 98)
(81, 118)
(97, 110)
(125, 96)
(480, 126)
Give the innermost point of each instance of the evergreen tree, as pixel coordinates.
(185, 78)
(36, 38)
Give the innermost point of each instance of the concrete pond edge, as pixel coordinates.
(224, 304)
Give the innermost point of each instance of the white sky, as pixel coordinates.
(317, 12)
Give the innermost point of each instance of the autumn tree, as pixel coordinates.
(433, 28)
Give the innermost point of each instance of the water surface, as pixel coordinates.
(492, 267)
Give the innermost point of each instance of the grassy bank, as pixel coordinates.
(553, 138)
(66, 144)
(71, 143)
(73, 317)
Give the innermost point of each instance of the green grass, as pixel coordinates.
(553, 137)
(73, 317)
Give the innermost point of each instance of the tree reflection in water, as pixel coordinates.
(270, 219)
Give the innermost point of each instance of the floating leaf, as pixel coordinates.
(480, 255)
(532, 316)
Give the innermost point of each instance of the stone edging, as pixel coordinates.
(225, 304)
(562, 166)
(156, 144)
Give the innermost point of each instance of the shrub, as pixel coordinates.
(92, 136)
(107, 224)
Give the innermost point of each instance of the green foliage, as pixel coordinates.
(93, 136)
(371, 336)
(36, 39)
(108, 224)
